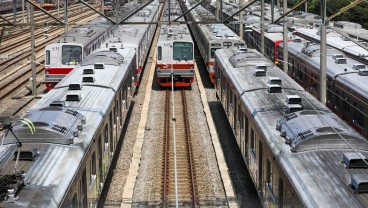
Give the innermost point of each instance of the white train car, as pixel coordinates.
(298, 153)
(65, 158)
(209, 37)
(137, 36)
(63, 55)
(175, 53)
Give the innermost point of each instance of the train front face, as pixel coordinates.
(175, 58)
(60, 59)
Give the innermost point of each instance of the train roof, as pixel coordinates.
(131, 35)
(335, 40)
(213, 32)
(312, 156)
(344, 73)
(84, 35)
(63, 133)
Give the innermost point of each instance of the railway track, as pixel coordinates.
(184, 162)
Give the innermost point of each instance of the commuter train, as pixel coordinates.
(61, 57)
(66, 141)
(175, 52)
(137, 36)
(346, 63)
(67, 52)
(298, 153)
(346, 80)
(7, 5)
(209, 37)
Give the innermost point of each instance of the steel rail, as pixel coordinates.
(166, 147)
(188, 140)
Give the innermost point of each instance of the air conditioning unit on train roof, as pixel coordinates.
(260, 72)
(293, 99)
(274, 88)
(359, 182)
(358, 66)
(354, 160)
(335, 56)
(274, 80)
(363, 72)
(340, 60)
(261, 66)
(99, 66)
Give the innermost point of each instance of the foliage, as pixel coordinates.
(357, 14)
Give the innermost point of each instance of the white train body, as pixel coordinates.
(65, 160)
(210, 37)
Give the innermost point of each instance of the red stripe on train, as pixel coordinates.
(65, 70)
(175, 66)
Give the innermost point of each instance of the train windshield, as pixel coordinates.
(183, 51)
(71, 55)
(213, 50)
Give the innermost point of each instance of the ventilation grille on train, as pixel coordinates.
(113, 49)
(274, 80)
(73, 97)
(363, 72)
(284, 120)
(75, 87)
(293, 99)
(354, 160)
(57, 104)
(292, 108)
(59, 128)
(359, 183)
(26, 155)
(358, 66)
(76, 114)
(89, 79)
(336, 56)
(340, 60)
(99, 66)
(88, 71)
(259, 72)
(300, 137)
(274, 88)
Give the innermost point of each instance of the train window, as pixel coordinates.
(71, 55)
(159, 53)
(106, 137)
(47, 59)
(75, 200)
(183, 51)
(227, 44)
(92, 167)
(253, 142)
(260, 165)
(216, 44)
(111, 132)
(337, 101)
(358, 117)
(84, 189)
(281, 193)
(116, 111)
(269, 182)
(213, 50)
